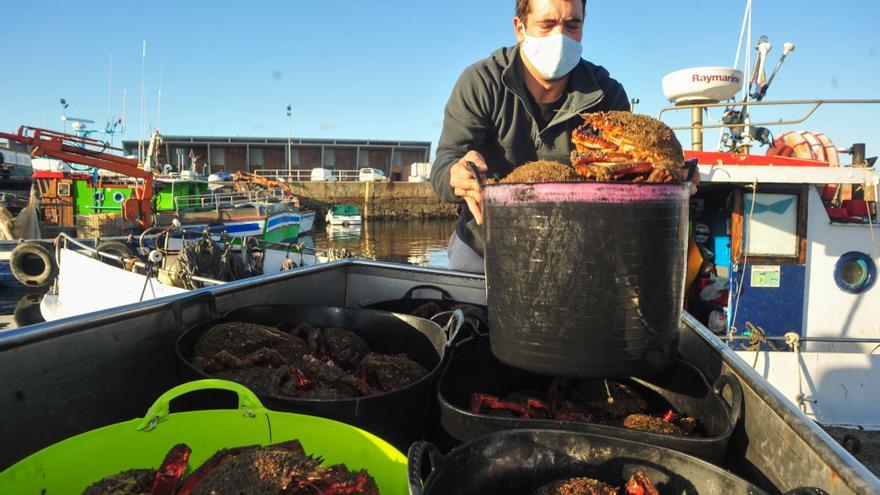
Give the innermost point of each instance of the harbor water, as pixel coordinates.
(420, 243)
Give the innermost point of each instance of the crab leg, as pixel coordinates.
(171, 471)
(532, 407)
(336, 484)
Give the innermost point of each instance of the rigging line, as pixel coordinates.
(745, 264)
(742, 33)
(110, 87)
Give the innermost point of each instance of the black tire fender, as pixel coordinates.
(33, 265)
(117, 248)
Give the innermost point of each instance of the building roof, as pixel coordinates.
(283, 140)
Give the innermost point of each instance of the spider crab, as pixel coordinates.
(638, 484)
(587, 403)
(625, 146)
(279, 468)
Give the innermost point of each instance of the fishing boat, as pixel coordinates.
(344, 214)
(88, 190)
(774, 445)
(91, 280)
(783, 261)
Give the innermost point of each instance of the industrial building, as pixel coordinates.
(248, 154)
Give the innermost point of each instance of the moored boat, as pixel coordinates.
(90, 280)
(783, 260)
(344, 214)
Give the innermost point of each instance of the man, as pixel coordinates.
(520, 104)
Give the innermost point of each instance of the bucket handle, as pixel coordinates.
(414, 457)
(453, 326)
(178, 306)
(444, 294)
(736, 400)
(248, 402)
(806, 491)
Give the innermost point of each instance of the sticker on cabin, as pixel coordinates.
(765, 276)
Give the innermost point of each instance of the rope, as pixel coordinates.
(200, 258)
(338, 254)
(793, 340)
(758, 336)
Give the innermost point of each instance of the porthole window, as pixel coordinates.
(855, 272)
(118, 197)
(99, 196)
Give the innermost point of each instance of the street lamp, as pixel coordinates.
(64, 113)
(289, 158)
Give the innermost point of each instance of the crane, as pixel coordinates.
(93, 153)
(243, 179)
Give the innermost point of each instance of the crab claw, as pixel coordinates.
(640, 484)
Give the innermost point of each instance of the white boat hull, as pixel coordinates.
(344, 219)
(85, 285)
(306, 221)
(832, 388)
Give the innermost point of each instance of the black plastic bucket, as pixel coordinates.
(520, 462)
(472, 369)
(586, 279)
(412, 305)
(397, 416)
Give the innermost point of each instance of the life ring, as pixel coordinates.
(792, 143)
(807, 145)
(33, 265)
(831, 155)
(815, 146)
(117, 248)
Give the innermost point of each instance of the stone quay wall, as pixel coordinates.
(387, 200)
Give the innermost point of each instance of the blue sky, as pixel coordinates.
(376, 69)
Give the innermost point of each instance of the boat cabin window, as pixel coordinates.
(770, 227)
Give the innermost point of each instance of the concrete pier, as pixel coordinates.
(400, 200)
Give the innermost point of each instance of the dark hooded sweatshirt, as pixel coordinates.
(491, 111)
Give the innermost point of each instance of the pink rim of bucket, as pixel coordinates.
(583, 192)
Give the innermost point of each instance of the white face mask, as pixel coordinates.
(554, 56)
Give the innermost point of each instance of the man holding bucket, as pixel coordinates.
(521, 104)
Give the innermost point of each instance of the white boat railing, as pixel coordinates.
(216, 200)
(815, 104)
(297, 175)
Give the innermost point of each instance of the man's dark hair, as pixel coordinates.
(523, 7)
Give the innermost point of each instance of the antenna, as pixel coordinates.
(124, 104)
(143, 117)
(759, 75)
(786, 49)
(159, 102)
(110, 87)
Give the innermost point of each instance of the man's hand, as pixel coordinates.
(694, 182)
(465, 185)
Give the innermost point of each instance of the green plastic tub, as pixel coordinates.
(74, 464)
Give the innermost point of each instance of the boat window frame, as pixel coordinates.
(738, 216)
